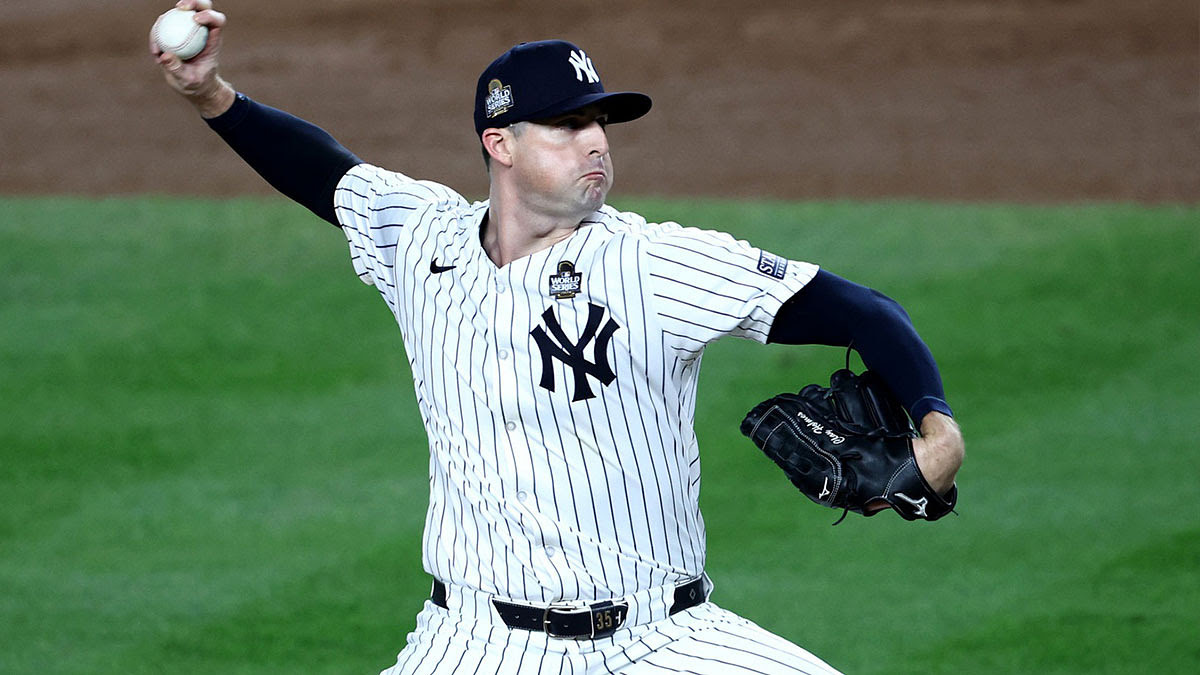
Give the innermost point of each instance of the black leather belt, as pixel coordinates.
(587, 622)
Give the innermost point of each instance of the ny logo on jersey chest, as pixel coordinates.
(556, 345)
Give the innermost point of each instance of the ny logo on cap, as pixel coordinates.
(583, 66)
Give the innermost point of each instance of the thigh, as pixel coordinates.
(708, 640)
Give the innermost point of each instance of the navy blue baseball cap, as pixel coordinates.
(539, 80)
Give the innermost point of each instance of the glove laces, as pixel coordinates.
(851, 477)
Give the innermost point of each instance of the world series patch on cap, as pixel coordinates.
(540, 80)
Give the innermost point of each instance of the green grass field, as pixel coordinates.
(211, 459)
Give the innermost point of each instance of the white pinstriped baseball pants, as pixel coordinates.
(703, 640)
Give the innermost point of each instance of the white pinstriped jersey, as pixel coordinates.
(558, 391)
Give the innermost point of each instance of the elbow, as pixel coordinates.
(883, 310)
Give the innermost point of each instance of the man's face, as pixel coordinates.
(562, 164)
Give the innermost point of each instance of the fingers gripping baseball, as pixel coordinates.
(195, 78)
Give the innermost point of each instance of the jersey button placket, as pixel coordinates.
(484, 334)
(505, 404)
(502, 337)
(512, 329)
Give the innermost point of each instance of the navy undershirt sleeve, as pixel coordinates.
(830, 310)
(296, 157)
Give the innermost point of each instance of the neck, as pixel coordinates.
(513, 230)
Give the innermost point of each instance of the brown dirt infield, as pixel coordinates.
(1014, 100)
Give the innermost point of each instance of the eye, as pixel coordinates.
(577, 122)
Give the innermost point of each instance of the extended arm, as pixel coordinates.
(295, 157)
(833, 311)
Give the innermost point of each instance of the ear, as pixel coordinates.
(498, 143)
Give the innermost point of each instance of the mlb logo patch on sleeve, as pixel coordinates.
(772, 265)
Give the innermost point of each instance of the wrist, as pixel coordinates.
(939, 451)
(937, 424)
(214, 98)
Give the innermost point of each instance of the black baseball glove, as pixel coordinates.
(847, 445)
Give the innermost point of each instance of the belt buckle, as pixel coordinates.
(561, 609)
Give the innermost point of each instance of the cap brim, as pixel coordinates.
(620, 106)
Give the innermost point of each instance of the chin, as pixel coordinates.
(594, 198)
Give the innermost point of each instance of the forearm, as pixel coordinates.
(296, 157)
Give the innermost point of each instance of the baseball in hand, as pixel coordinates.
(177, 32)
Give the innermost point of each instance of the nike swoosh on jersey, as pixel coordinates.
(438, 269)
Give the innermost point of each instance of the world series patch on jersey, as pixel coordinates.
(558, 391)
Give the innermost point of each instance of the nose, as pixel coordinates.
(595, 138)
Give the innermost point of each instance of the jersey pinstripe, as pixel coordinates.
(558, 391)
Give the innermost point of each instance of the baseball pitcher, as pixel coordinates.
(555, 345)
